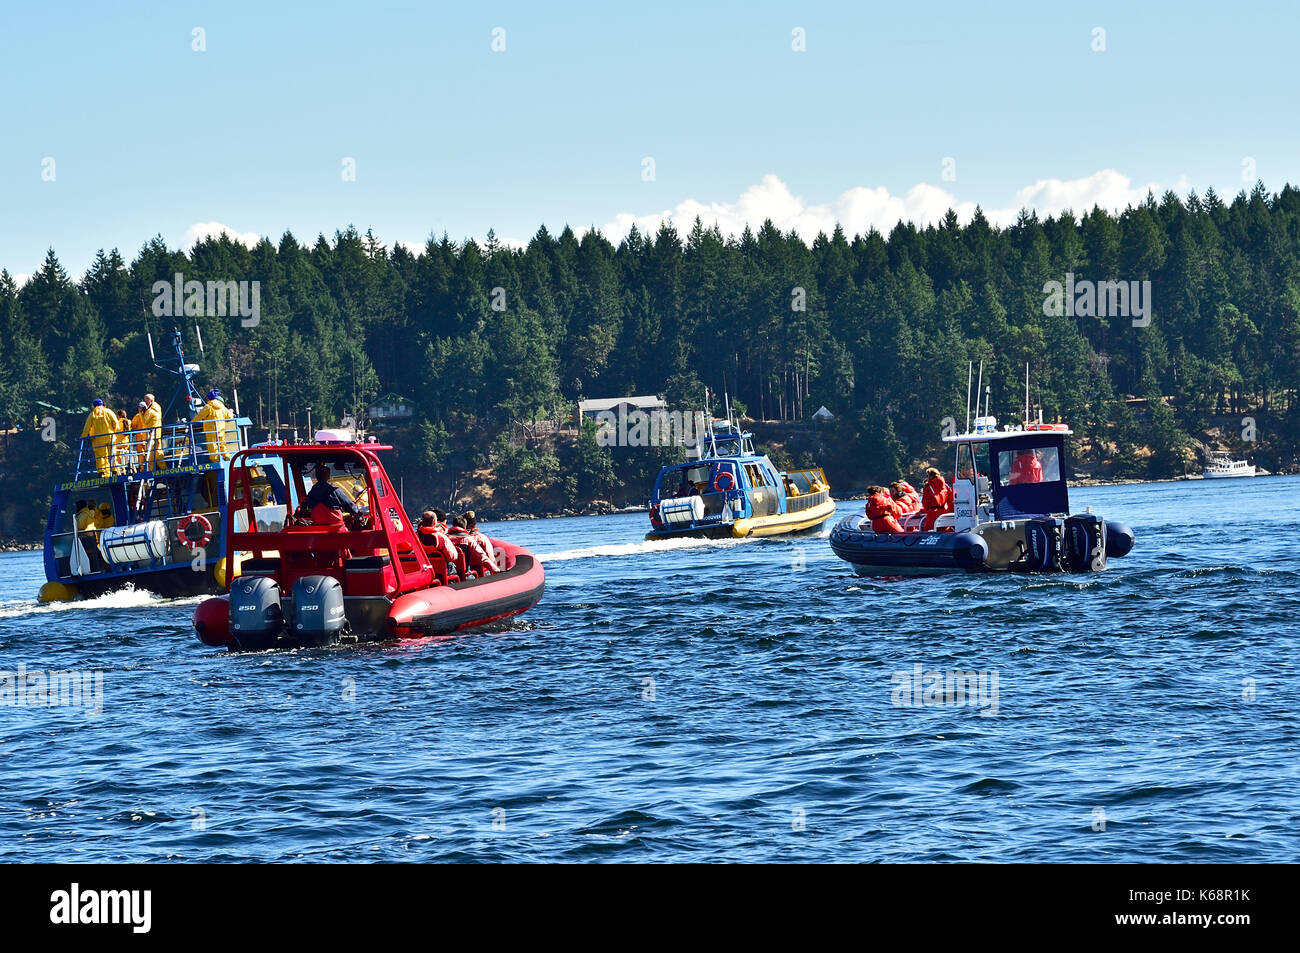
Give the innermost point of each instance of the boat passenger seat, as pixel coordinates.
(367, 575)
(266, 566)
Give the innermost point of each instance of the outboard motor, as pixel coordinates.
(318, 616)
(1084, 543)
(1040, 547)
(256, 619)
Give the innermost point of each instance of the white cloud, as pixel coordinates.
(862, 208)
(1106, 188)
(202, 230)
(20, 279)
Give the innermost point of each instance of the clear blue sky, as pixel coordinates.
(150, 137)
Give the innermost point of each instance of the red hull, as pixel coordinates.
(312, 582)
(466, 605)
(439, 610)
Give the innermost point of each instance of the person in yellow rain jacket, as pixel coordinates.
(139, 438)
(218, 434)
(85, 516)
(101, 425)
(122, 444)
(151, 420)
(105, 518)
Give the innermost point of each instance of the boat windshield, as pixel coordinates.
(1030, 465)
(346, 474)
(682, 481)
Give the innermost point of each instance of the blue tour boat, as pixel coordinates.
(730, 490)
(167, 505)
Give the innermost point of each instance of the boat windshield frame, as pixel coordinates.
(1014, 499)
(389, 529)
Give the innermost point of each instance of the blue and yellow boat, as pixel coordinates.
(732, 491)
(153, 513)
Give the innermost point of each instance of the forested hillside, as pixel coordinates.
(489, 340)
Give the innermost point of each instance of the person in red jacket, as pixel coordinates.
(1026, 468)
(485, 544)
(480, 560)
(436, 542)
(905, 495)
(936, 498)
(882, 510)
(326, 504)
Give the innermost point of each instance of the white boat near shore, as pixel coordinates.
(1222, 467)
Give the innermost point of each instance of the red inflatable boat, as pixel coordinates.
(302, 579)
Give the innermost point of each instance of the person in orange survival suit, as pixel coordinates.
(936, 498)
(433, 536)
(905, 495)
(1026, 468)
(480, 561)
(882, 510)
(485, 544)
(326, 503)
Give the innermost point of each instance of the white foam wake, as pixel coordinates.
(635, 549)
(128, 597)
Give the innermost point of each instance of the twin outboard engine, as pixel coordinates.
(1074, 544)
(1083, 544)
(318, 614)
(256, 619)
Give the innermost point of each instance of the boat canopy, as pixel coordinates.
(1028, 474)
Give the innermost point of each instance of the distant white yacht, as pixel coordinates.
(1222, 466)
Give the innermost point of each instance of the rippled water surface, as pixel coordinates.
(704, 701)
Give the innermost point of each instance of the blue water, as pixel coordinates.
(1148, 713)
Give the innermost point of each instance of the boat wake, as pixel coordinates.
(128, 597)
(636, 549)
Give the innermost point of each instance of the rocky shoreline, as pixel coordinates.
(606, 508)
(18, 546)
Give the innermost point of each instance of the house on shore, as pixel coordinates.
(619, 406)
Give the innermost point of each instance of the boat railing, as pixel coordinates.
(61, 544)
(170, 447)
(806, 501)
(804, 480)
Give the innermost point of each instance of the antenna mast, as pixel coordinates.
(970, 379)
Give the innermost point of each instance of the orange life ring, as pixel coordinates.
(717, 481)
(194, 542)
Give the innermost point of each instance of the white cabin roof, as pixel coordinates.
(987, 431)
